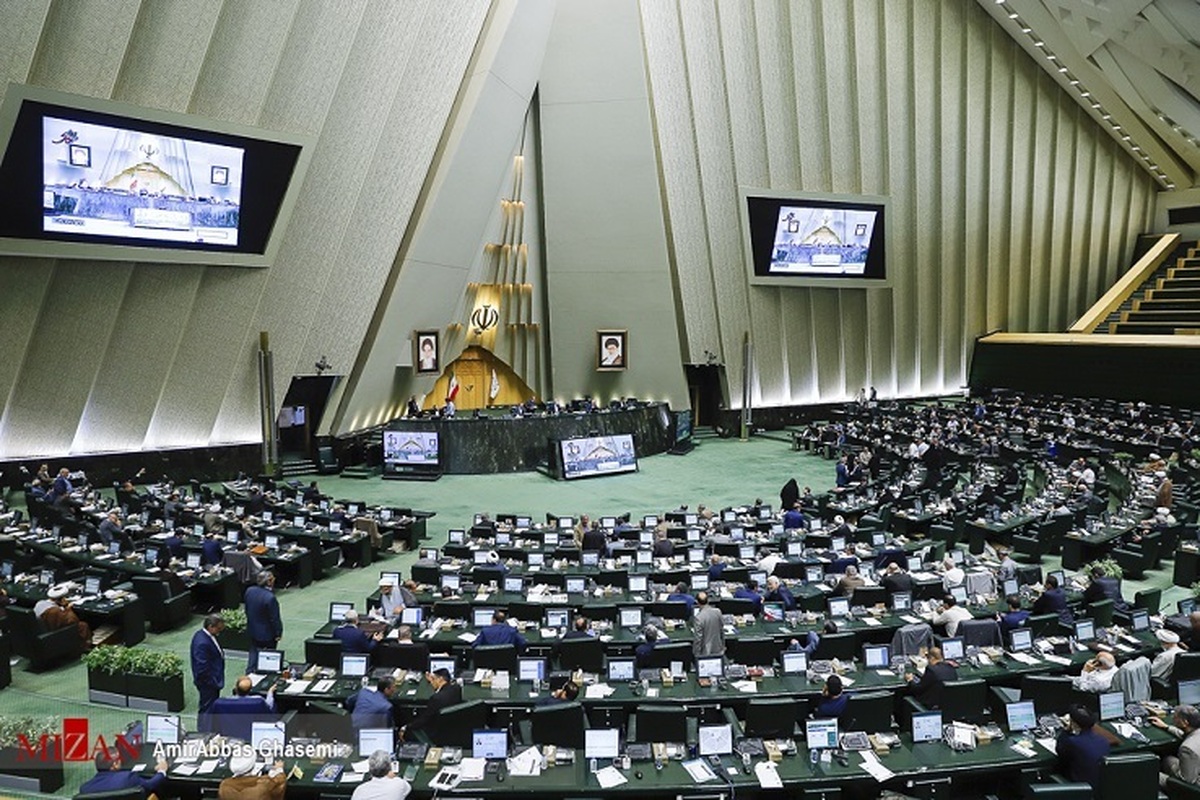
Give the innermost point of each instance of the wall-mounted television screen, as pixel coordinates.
(409, 449)
(816, 240)
(683, 425)
(89, 178)
(598, 455)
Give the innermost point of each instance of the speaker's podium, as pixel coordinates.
(411, 456)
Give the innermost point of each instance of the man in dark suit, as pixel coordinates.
(896, 579)
(110, 777)
(373, 709)
(594, 539)
(582, 629)
(208, 667)
(255, 503)
(352, 637)
(263, 622)
(750, 592)
(1081, 747)
(211, 551)
(1103, 587)
(500, 632)
(446, 693)
(234, 716)
(110, 529)
(928, 690)
(1053, 601)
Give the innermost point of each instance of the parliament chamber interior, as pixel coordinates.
(649, 398)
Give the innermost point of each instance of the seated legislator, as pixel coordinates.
(582, 629)
(111, 776)
(896, 579)
(247, 784)
(1053, 600)
(234, 716)
(446, 693)
(750, 592)
(928, 690)
(383, 785)
(681, 595)
(500, 632)
(352, 637)
(1082, 747)
(644, 651)
(372, 708)
(55, 612)
(833, 701)
(1097, 675)
(1015, 617)
(950, 614)
(1185, 765)
(778, 593)
(391, 602)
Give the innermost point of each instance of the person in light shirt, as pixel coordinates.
(952, 574)
(950, 614)
(1097, 674)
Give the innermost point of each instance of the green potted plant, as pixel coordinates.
(1109, 567)
(21, 752)
(153, 678)
(235, 636)
(106, 675)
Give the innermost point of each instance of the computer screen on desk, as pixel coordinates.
(795, 549)
(746, 552)
(1112, 706)
(638, 583)
(162, 728)
(590, 558)
(451, 581)
(480, 557)
(269, 661)
(772, 612)
(1189, 692)
(650, 521)
(1139, 620)
(1058, 575)
(531, 669)
(1187, 605)
(489, 744)
(442, 662)
(952, 648)
(354, 665)
(1020, 640)
(877, 656)
(711, 667)
(482, 617)
(537, 559)
(1021, 716)
(1085, 630)
(514, 584)
(372, 739)
(1011, 587)
(523, 522)
(914, 564)
(601, 743)
(700, 581)
(411, 615)
(644, 557)
(927, 727)
(901, 601)
(759, 577)
(814, 573)
(456, 536)
(630, 617)
(839, 606)
(716, 740)
(794, 662)
(557, 617)
(337, 611)
(608, 523)
(821, 734)
(266, 737)
(621, 669)
(271, 540)
(91, 584)
(959, 593)
(576, 585)
(193, 560)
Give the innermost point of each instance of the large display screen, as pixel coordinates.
(89, 178)
(598, 455)
(816, 241)
(406, 448)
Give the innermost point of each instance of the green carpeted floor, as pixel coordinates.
(717, 473)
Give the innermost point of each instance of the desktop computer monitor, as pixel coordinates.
(372, 739)
(557, 617)
(150, 557)
(957, 557)
(480, 557)
(794, 662)
(482, 617)
(901, 601)
(638, 583)
(576, 585)
(1139, 620)
(1011, 587)
(644, 557)
(737, 533)
(959, 593)
(451, 581)
(523, 522)
(456, 536)
(650, 521)
(489, 744)
(795, 549)
(716, 740)
(1085, 630)
(693, 534)
(772, 612)
(162, 728)
(531, 669)
(952, 648)
(814, 573)
(695, 556)
(337, 611)
(589, 558)
(878, 539)
(646, 537)
(537, 559)
(821, 734)
(1020, 640)
(837, 543)
(354, 665)
(411, 615)
(759, 577)
(550, 539)
(272, 541)
(1021, 716)
(1060, 576)
(91, 584)
(269, 661)
(513, 584)
(839, 606)
(566, 523)
(914, 564)
(608, 523)
(192, 560)
(621, 669)
(442, 662)
(266, 737)
(1189, 692)
(503, 538)
(877, 656)
(601, 743)
(746, 552)
(630, 617)
(710, 667)
(699, 581)
(1186, 606)
(299, 521)
(691, 519)
(1112, 706)
(927, 727)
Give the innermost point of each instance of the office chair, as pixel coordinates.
(562, 724)
(774, 718)
(658, 724)
(498, 657)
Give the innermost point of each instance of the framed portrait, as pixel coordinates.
(219, 176)
(612, 350)
(80, 155)
(428, 352)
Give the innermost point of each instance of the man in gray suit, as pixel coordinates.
(708, 629)
(1186, 765)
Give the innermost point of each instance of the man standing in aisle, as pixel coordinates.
(208, 668)
(708, 629)
(263, 622)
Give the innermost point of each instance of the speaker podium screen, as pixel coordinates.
(598, 455)
(405, 448)
(816, 241)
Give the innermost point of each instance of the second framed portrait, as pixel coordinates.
(612, 350)
(428, 352)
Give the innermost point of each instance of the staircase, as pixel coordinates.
(1170, 301)
(292, 469)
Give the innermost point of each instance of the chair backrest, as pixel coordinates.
(675, 609)
(965, 700)
(452, 609)
(526, 612)
(25, 624)
(1149, 599)
(842, 646)
(413, 656)
(869, 596)
(1187, 667)
(1051, 694)
(756, 651)
(736, 605)
(909, 639)
(660, 724)
(1128, 775)
(663, 654)
(453, 725)
(1043, 625)
(980, 633)
(495, 657)
(1101, 612)
(869, 711)
(326, 652)
(774, 717)
(561, 724)
(586, 654)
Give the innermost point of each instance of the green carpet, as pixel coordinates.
(717, 473)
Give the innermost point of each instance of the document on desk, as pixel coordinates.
(610, 777)
(297, 687)
(184, 769)
(874, 623)
(748, 687)
(526, 765)
(910, 619)
(699, 771)
(206, 767)
(1049, 744)
(361, 766)
(1024, 658)
(323, 686)
(352, 777)
(473, 768)
(598, 691)
(468, 637)
(768, 775)
(874, 768)
(1058, 659)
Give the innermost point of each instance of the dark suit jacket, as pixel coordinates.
(208, 664)
(594, 539)
(263, 622)
(448, 695)
(1079, 755)
(928, 690)
(354, 640)
(1053, 601)
(900, 582)
(1105, 589)
(211, 552)
(115, 780)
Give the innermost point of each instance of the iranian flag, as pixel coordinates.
(452, 392)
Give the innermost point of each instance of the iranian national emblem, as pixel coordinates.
(485, 318)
